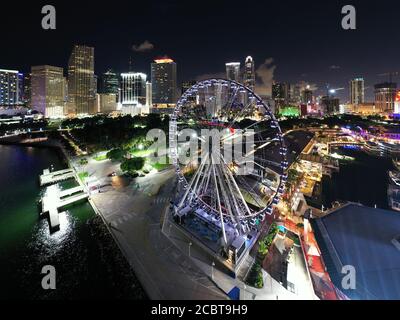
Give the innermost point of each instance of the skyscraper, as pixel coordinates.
(249, 78)
(10, 87)
(233, 71)
(81, 81)
(109, 83)
(330, 105)
(27, 89)
(48, 90)
(149, 95)
(163, 80)
(307, 96)
(385, 94)
(280, 94)
(133, 92)
(357, 91)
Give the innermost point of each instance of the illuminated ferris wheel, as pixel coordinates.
(239, 178)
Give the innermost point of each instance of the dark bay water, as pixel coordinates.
(364, 180)
(88, 263)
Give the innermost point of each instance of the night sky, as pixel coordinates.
(304, 38)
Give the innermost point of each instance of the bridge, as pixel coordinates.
(55, 199)
(56, 176)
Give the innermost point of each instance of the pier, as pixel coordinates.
(55, 199)
(52, 177)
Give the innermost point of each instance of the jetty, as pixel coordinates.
(49, 177)
(54, 199)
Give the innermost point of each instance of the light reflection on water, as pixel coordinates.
(58, 238)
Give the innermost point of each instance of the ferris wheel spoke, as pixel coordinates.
(240, 114)
(235, 185)
(227, 201)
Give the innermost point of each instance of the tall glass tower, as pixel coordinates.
(233, 71)
(48, 90)
(10, 87)
(81, 81)
(249, 78)
(357, 91)
(163, 80)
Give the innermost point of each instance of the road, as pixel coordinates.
(134, 215)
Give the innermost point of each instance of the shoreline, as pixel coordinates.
(62, 153)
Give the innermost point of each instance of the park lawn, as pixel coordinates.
(83, 176)
(161, 166)
(142, 153)
(101, 158)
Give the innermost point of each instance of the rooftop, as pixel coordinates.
(362, 237)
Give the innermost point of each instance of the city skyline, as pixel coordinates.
(339, 56)
(208, 151)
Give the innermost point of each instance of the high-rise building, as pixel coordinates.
(106, 102)
(330, 105)
(149, 95)
(233, 71)
(385, 95)
(10, 87)
(48, 90)
(294, 93)
(27, 90)
(133, 92)
(249, 77)
(109, 83)
(81, 81)
(307, 96)
(357, 91)
(280, 94)
(163, 80)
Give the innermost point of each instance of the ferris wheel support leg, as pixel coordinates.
(238, 190)
(220, 208)
(191, 183)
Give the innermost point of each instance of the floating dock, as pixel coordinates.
(54, 199)
(53, 177)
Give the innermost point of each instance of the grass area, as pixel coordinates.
(101, 157)
(266, 242)
(161, 166)
(83, 175)
(142, 153)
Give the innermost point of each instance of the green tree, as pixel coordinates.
(83, 162)
(116, 154)
(132, 165)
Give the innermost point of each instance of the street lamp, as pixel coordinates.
(190, 244)
(212, 270)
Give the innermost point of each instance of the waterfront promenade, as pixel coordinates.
(134, 215)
